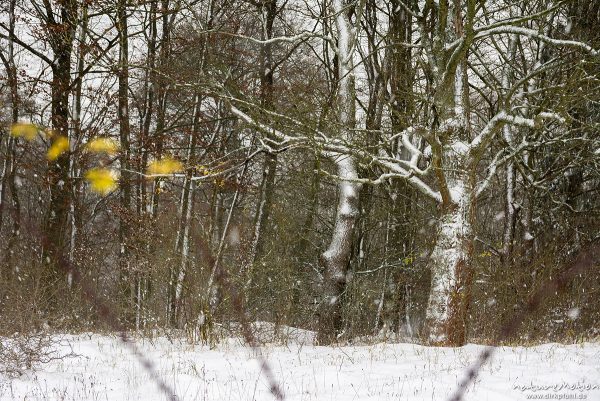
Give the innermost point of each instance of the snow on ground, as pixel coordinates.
(105, 370)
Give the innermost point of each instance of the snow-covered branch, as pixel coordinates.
(333, 148)
(279, 39)
(517, 30)
(502, 117)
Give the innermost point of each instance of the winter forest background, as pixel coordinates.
(398, 169)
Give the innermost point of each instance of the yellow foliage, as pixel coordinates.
(164, 166)
(101, 180)
(24, 130)
(58, 147)
(103, 145)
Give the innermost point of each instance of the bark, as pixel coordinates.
(510, 214)
(336, 258)
(510, 205)
(455, 167)
(76, 185)
(451, 273)
(9, 168)
(162, 95)
(125, 165)
(60, 36)
(400, 73)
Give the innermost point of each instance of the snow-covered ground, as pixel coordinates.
(105, 370)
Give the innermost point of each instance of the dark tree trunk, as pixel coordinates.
(60, 36)
(9, 168)
(125, 164)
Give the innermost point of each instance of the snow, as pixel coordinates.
(349, 190)
(446, 255)
(573, 313)
(460, 148)
(347, 212)
(105, 370)
(516, 30)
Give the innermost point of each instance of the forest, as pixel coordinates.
(401, 170)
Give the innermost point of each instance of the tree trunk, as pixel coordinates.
(182, 244)
(510, 206)
(61, 37)
(400, 70)
(455, 167)
(75, 216)
(451, 273)
(7, 180)
(162, 94)
(125, 156)
(336, 258)
(267, 186)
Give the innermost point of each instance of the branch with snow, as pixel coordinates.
(502, 117)
(333, 148)
(517, 30)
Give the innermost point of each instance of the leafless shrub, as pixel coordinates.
(27, 351)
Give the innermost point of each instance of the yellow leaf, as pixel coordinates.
(164, 166)
(101, 180)
(103, 145)
(58, 147)
(25, 130)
